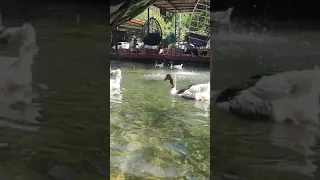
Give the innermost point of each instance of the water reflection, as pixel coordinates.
(205, 106)
(297, 139)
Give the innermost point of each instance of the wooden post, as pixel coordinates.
(211, 57)
(175, 25)
(116, 43)
(179, 27)
(148, 21)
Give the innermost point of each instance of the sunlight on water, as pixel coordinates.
(154, 134)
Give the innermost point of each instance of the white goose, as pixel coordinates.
(116, 72)
(193, 92)
(292, 95)
(222, 17)
(178, 66)
(15, 72)
(159, 65)
(115, 82)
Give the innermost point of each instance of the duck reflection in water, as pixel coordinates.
(300, 141)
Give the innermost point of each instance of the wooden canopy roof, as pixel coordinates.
(134, 22)
(177, 6)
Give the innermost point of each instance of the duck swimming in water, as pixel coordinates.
(193, 92)
(15, 72)
(178, 66)
(159, 65)
(116, 72)
(292, 95)
(115, 81)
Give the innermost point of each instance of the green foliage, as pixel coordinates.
(155, 13)
(167, 22)
(203, 28)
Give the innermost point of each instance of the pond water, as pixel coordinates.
(262, 150)
(154, 135)
(65, 134)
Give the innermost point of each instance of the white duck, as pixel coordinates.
(193, 92)
(159, 65)
(222, 17)
(116, 72)
(15, 72)
(178, 66)
(292, 95)
(115, 82)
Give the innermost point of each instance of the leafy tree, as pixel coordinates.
(167, 22)
(155, 13)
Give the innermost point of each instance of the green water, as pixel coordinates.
(70, 142)
(262, 150)
(154, 135)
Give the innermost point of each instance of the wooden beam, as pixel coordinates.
(171, 5)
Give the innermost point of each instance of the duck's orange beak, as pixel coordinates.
(202, 99)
